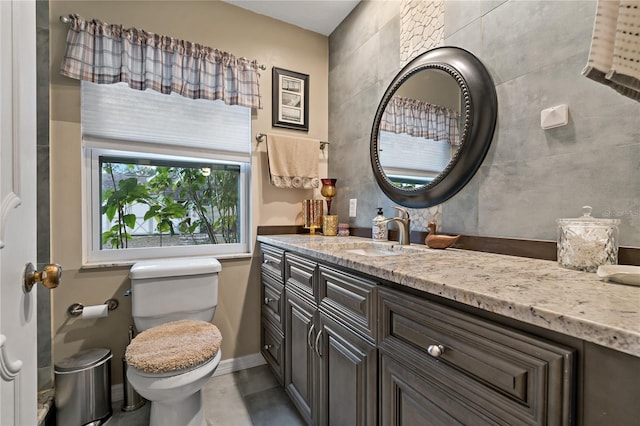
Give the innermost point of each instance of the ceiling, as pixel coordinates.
(320, 16)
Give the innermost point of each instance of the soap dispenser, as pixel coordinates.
(379, 230)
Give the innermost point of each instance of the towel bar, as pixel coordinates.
(261, 137)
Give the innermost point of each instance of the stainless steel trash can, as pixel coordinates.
(83, 388)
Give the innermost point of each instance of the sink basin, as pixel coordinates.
(370, 251)
(381, 249)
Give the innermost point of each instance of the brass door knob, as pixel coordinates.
(50, 276)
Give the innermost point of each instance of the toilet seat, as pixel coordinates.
(148, 375)
(173, 348)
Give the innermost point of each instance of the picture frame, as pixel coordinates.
(290, 99)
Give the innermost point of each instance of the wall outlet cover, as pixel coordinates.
(353, 203)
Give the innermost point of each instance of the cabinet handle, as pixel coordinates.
(267, 300)
(309, 334)
(317, 346)
(267, 347)
(435, 351)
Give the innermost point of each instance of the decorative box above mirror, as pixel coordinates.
(433, 127)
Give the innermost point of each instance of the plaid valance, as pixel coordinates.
(421, 119)
(108, 53)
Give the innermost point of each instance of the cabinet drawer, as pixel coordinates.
(272, 301)
(273, 347)
(349, 297)
(272, 258)
(299, 272)
(508, 375)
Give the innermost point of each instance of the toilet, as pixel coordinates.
(177, 349)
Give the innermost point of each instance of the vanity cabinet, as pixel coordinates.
(331, 367)
(272, 309)
(347, 352)
(363, 352)
(443, 366)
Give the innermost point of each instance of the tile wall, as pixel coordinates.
(535, 51)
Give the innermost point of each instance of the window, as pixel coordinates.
(410, 162)
(165, 175)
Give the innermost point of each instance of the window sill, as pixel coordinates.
(128, 263)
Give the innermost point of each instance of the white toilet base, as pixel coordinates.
(187, 412)
(175, 400)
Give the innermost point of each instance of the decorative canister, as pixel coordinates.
(330, 224)
(584, 243)
(343, 229)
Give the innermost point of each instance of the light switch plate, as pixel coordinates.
(353, 203)
(554, 117)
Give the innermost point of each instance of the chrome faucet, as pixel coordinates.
(404, 225)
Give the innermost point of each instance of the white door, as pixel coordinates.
(18, 357)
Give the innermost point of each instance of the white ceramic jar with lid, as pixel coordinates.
(584, 243)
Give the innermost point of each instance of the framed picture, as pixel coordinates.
(290, 99)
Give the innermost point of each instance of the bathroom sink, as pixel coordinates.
(370, 251)
(381, 249)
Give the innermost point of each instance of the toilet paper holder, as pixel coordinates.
(76, 309)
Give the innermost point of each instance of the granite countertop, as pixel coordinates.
(537, 292)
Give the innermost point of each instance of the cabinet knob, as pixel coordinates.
(267, 300)
(267, 347)
(435, 350)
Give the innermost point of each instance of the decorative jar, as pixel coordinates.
(584, 243)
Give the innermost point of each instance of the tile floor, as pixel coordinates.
(251, 397)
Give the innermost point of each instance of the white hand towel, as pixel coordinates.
(293, 162)
(614, 58)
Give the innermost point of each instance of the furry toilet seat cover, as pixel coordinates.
(174, 346)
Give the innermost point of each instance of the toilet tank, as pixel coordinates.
(166, 290)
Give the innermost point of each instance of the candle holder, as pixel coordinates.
(312, 215)
(328, 191)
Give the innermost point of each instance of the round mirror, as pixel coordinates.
(433, 127)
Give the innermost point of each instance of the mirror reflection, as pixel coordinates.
(420, 128)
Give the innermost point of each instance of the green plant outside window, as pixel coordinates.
(161, 203)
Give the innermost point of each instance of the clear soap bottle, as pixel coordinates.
(379, 230)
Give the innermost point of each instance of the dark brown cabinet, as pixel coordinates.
(272, 325)
(347, 376)
(351, 351)
(468, 370)
(348, 364)
(300, 368)
(331, 368)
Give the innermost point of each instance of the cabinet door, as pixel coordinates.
(272, 301)
(490, 370)
(300, 358)
(350, 298)
(347, 377)
(300, 273)
(407, 399)
(272, 258)
(272, 341)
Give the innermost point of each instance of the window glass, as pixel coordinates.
(163, 203)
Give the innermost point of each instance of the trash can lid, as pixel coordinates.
(83, 360)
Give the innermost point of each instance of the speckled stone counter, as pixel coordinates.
(537, 292)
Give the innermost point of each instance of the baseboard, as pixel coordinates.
(227, 366)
